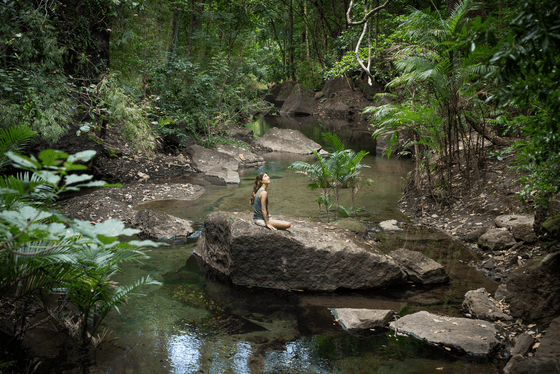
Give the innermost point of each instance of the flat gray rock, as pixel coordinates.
(419, 268)
(246, 158)
(286, 140)
(471, 336)
(308, 256)
(214, 164)
(362, 322)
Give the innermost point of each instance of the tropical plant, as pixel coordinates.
(320, 175)
(42, 250)
(443, 83)
(528, 59)
(340, 169)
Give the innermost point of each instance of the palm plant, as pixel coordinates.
(339, 170)
(41, 250)
(439, 76)
(320, 178)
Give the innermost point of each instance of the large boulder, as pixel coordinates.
(308, 256)
(463, 335)
(363, 322)
(419, 268)
(278, 94)
(496, 240)
(215, 165)
(159, 226)
(246, 158)
(301, 102)
(286, 140)
(479, 304)
(534, 294)
(521, 226)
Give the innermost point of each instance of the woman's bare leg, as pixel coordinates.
(280, 225)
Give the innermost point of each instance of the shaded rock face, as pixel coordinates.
(419, 268)
(546, 358)
(246, 158)
(471, 336)
(307, 256)
(159, 226)
(534, 294)
(363, 322)
(478, 304)
(214, 164)
(286, 140)
(496, 240)
(301, 102)
(278, 94)
(532, 365)
(550, 344)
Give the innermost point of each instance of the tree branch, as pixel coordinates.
(366, 17)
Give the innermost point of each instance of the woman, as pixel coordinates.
(259, 200)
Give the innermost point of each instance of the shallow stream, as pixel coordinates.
(195, 325)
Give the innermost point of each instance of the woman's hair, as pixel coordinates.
(256, 186)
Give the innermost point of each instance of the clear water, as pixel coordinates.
(196, 325)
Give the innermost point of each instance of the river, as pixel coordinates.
(195, 325)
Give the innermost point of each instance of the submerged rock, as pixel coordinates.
(390, 225)
(159, 226)
(308, 256)
(479, 304)
(471, 336)
(286, 140)
(419, 268)
(362, 322)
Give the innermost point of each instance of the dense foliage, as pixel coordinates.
(460, 77)
(44, 254)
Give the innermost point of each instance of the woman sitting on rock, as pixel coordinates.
(259, 200)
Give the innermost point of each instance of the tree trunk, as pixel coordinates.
(176, 20)
(191, 29)
(291, 41)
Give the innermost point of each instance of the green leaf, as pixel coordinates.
(76, 178)
(23, 161)
(84, 156)
(50, 157)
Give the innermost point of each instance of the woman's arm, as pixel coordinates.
(263, 196)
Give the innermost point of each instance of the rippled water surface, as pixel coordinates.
(195, 325)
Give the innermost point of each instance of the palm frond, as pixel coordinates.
(13, 139)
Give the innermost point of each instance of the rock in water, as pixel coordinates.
(419, 268)
(308, 256)
(214, 164)
(362, 322)
(471, 336)
(160, 226)
(286, 140)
